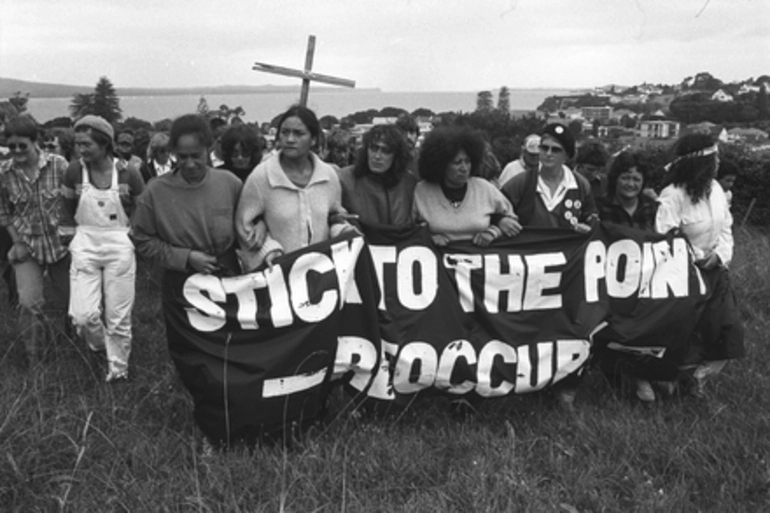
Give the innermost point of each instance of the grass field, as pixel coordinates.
(70, 442)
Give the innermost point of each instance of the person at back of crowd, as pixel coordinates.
(553, 196)
(338, 144)
(378, 188)
(61, 141)
(100, 192)
(694, 203)
(218, 127)
(626, 205)
(295, 194)
(124, 149)
(726, 176)
(454, 202)
(490, 166)
(591, 162)
(241, 150)
(30, 204)
(528, 160)
(159, 161)
(411, 131)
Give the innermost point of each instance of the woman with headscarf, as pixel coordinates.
(694, 203)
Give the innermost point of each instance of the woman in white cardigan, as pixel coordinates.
(293, 194)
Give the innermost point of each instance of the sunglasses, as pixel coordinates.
(545, 148)
(20, 147)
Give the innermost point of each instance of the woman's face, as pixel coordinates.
(629, 184)
(23, 150)
(458, 171)
(296, 140)
(89, 150)
(162, 155)
(241, 158)
(54, 146)
(191, 158)
(380, 157)
(552, 153)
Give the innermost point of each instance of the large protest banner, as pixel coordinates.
(395, 316)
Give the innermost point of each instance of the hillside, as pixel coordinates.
(9, 87)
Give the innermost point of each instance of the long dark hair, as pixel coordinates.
(249, 141)
(693, 173)
(394, 139)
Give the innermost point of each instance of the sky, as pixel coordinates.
(394, 45)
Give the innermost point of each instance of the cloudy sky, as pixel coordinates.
(396, 45)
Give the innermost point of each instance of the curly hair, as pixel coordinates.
(592, 153)
(394, 139)
(249, 141)
(620, 164)
(694, 174)
(441, 147)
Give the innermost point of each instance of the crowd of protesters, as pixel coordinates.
(209, 197)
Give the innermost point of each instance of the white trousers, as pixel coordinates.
(102, 289)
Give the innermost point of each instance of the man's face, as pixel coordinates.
(125, 145)
(530, 159)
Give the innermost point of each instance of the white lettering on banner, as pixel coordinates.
(538, 281)
(288, 296)
(300, 292)
(497, 282)
(526, 282)
(345, 254)
(358, 355)
(277, 387)
(203, 292)
(446, 364)
(656, 270)
(418, 366)
(382, 255)
(410, 295)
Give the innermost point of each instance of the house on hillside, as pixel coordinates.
(383, 121)
(721, 96)
(747, 135)
(659, 129)
(602, 114)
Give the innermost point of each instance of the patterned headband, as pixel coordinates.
(711, 150)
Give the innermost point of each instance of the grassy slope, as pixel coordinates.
(70, 442)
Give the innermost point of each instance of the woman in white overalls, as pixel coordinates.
(103, 267)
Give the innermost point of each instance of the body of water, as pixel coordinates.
(263, 107)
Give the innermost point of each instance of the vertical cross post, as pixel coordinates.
(308, 68)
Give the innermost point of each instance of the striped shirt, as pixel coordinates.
(32, 206)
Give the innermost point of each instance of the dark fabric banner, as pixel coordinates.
(396, 316)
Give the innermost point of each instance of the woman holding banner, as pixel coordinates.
(695, 204)
(295, 193)
(378, 188)
(454, 202)
(625, 205)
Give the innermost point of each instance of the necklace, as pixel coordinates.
(454, 196)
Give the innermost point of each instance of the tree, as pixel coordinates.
(422, 112)
(106, 102)
(484, 101)
(328, 122)
(392, 112)
(504, 100)
(102, 102)
(228, 114)
(136, 124)
(762, 103)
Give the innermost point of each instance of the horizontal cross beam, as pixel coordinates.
(304, 75)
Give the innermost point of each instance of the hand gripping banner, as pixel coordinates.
(395, 316)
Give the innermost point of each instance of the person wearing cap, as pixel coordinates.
(100, 192)
(30, 202)
(530, 157)
(552, 195)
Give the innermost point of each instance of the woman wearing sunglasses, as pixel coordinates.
(29, 208)
(553, 196)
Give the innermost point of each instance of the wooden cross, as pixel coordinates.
(307, 75)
